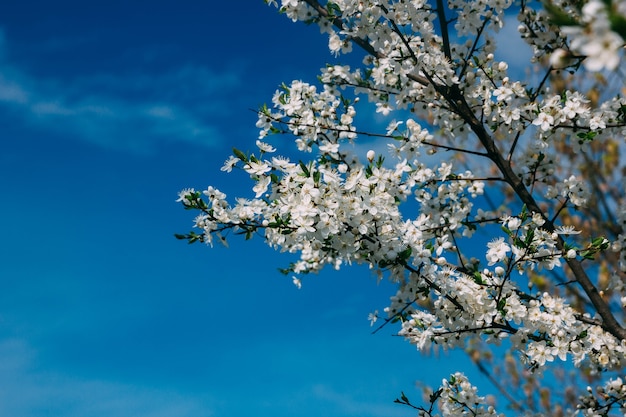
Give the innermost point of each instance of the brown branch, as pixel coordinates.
(375, 135)
(443, 25)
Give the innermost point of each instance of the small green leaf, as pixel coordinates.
(618, 23)
(304, 168)
(519, 243)
(597, 241)
(435, 395)
(404, 397)
(383, 263)
(524, 214)
(587, 136)
(240, 155)
(317, 176)
(405, 254)
(558, 16)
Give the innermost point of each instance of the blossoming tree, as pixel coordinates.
(498, 207)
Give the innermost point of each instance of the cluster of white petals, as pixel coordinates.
(594, 38)
(414, 215)
(612, 393)
(591, 31)
(460, 398)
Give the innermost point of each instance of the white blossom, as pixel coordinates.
(474, 150)
(497, 250)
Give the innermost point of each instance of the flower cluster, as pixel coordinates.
(594, 38)
(332, 215)
(611, 396)
(569, 33)
(459, 398)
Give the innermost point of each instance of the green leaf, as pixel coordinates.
(383, 263)
(587, 136)
(519, 243)
(618, 24)
(192, 237)
(405, 254)
(524, 214)
(435, 395)
(240, 155)
(404, 397)
(529, 237)
(599, 242)
(558, 16)
(305, 170)
(587, 255)
(333, 10)
(317, 176)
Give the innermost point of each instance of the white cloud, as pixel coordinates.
(161, 112)
(27, 390)
(346, 405)
(11, 92)
(51, 108)
(123, 110)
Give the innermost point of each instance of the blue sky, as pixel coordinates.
(107, 110)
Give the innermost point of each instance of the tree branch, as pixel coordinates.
(443, 25)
